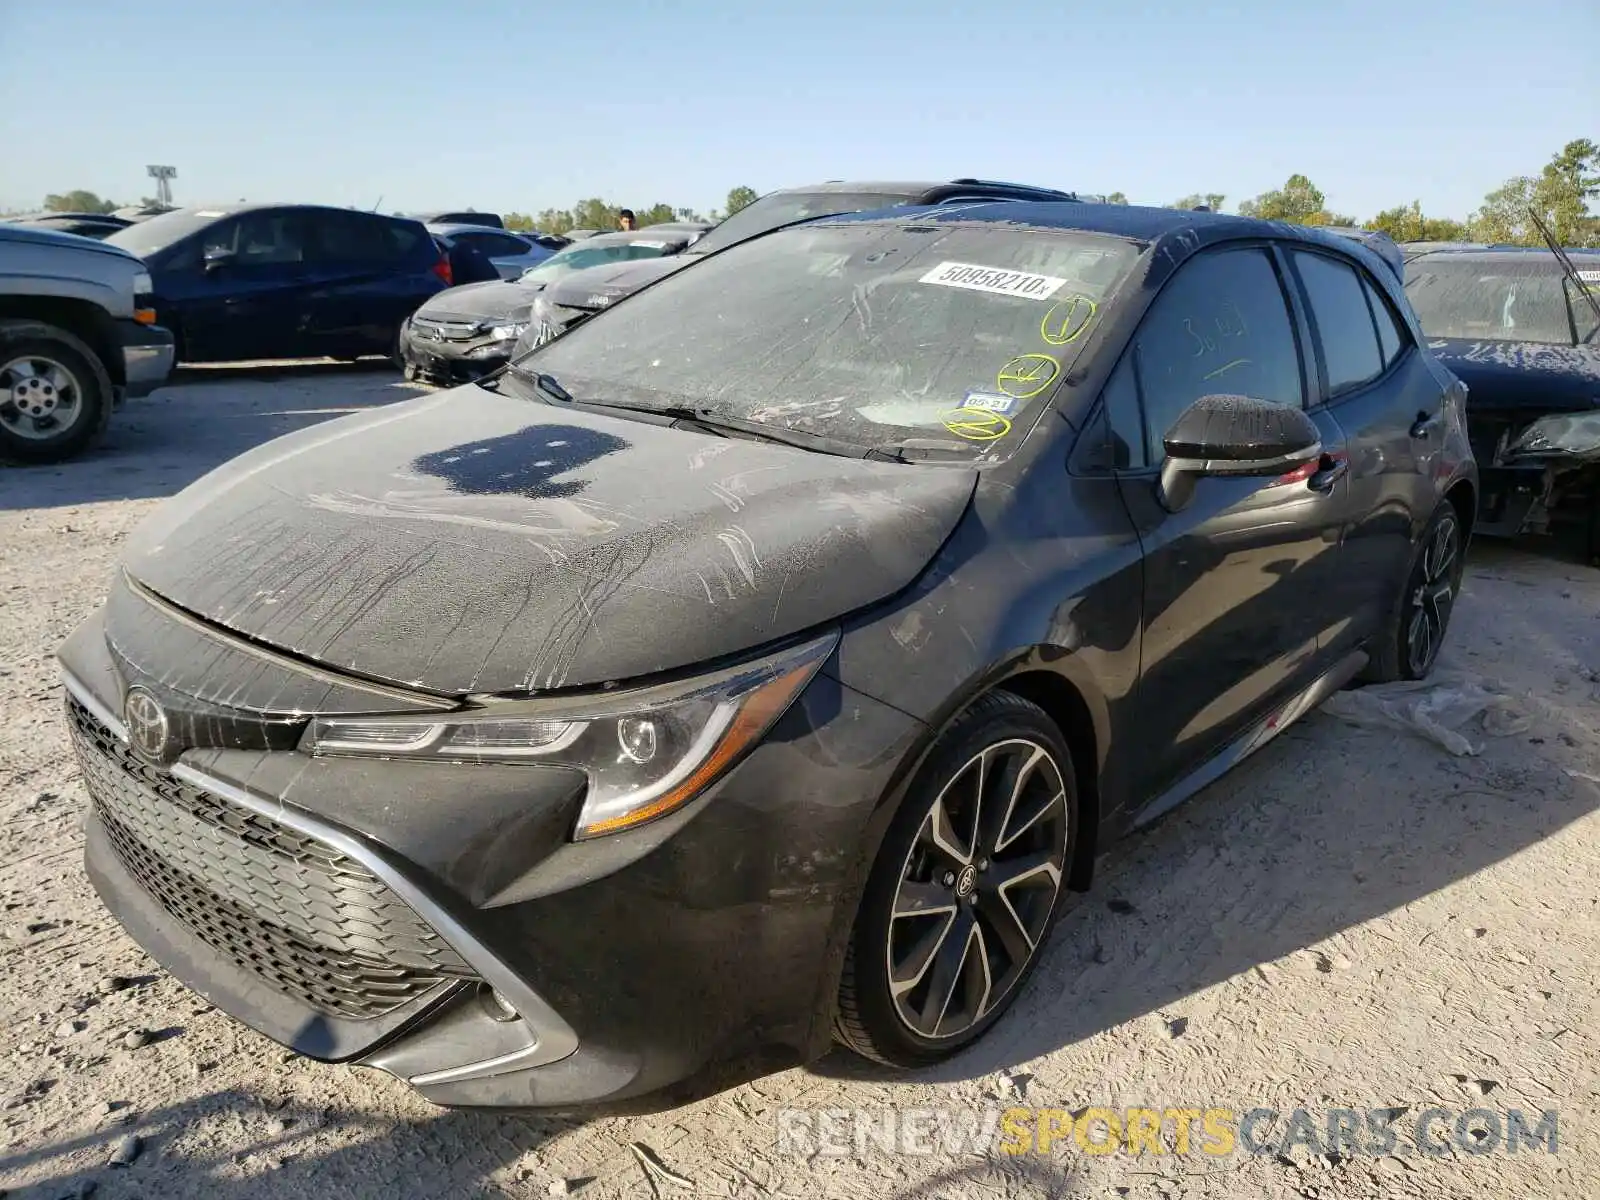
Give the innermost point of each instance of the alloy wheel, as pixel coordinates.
(39, 397)
(1432, 596)
(977, 888)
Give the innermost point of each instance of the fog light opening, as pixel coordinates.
(496, 1006)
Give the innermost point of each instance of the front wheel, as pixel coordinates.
(965, 888)
(1408, 646)
(55, 396)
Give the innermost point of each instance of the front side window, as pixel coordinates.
(259, 239)
(863, 332)
(1219, 327)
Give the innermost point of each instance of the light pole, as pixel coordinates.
(163, 177)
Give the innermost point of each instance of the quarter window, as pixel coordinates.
(1392, 337)
(1220, 326)
(1344, 324)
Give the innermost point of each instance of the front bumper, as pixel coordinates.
(147, 357)
(361, 910)
(453, 359)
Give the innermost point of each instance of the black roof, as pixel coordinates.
(1177, 232)
(932, 191)
(1507, 254)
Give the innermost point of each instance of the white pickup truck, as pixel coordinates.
(77, 337)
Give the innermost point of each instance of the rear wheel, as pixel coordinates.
(1409, 644)
(966, 886)
(55, 395)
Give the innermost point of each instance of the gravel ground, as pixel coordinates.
(1355, 918)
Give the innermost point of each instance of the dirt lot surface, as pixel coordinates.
(1355, 918)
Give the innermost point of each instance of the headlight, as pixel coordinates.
(647, 751)
(142, 284)
(508, 333)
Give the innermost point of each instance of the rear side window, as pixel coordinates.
(411, 240)
(1393, 340)
(351, 238)
(1220, 326)
(493, 244)
(1342, 320)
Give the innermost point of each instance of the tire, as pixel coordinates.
(1408, 646)
(941, 915)
(55, 394)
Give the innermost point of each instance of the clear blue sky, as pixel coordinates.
(526, 106)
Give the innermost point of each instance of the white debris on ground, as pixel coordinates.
(1439, 708)
(1357, 917)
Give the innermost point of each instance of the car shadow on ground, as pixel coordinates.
(158, 445)
(448, 1154)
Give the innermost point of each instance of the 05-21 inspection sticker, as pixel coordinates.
(993, 279)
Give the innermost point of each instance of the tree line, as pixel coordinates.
(1560, 194)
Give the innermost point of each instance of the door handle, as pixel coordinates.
(1424, 425)
(1328, 473)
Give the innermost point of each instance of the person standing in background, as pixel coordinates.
(626, 221)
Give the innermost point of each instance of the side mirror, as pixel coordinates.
(1233, 435)
(217, 257)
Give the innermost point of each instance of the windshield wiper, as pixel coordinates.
(707, 420)
(920, 450)
(546, 385)
(1567, 268)
(710, 421)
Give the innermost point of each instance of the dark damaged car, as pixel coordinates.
(762, 664)
(1519, 327)
(466, 332)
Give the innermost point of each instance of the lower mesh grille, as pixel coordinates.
(312, 922)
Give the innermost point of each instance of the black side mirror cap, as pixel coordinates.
(1234, 436)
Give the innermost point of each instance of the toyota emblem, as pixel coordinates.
(147, 723)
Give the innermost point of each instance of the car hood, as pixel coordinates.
(494, 298)
(1510, 376)
(471, 541)
(613, 280)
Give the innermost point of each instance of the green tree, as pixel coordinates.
(1295, 202)
(1211, 200)
(656, 214)
(741, 197)
(1569, 181)
(1560, 194)
(1117, 198)
(521, 222)
(1407, 223)
(78, 200)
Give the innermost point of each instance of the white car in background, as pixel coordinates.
(511, 253)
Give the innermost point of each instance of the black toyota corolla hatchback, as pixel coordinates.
(761, 663)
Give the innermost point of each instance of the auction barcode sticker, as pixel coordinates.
(992, 279)
(1589, 276)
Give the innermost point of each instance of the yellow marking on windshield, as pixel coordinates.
(1067, 319)
(976, 424)
(1026, 375)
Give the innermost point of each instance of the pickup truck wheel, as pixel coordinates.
(55, 395)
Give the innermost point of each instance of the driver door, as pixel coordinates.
(248, 299)
(1238, 583)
